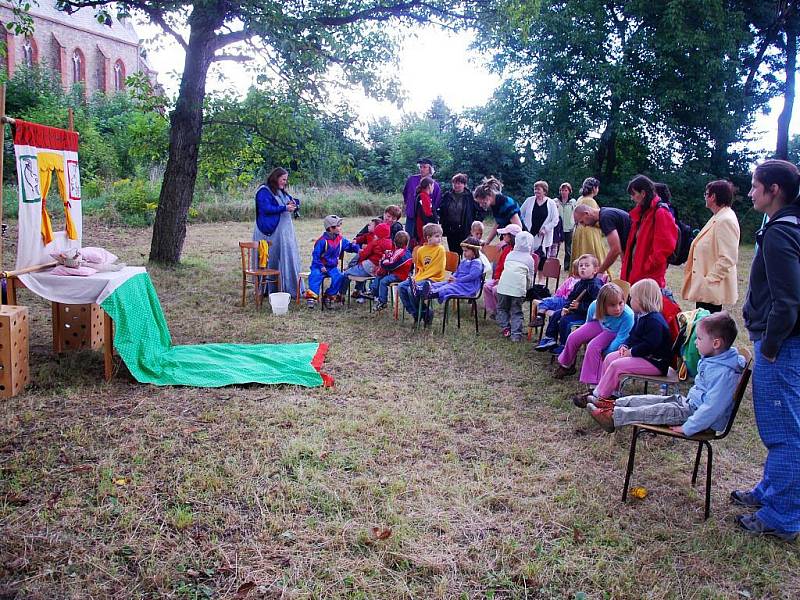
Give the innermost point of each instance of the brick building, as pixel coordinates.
(77, 47)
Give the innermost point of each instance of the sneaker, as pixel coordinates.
(360, 300)
(602, 402)
(368, 295)
(604, 417)
(428, 317)
(355, 294)
(311, 303)
(545, 344)
(380, 305)
(558, 349)
(506, 332)
(561, 371)
(744, 498)
(311, 295)
(752, 524)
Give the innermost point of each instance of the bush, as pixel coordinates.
(134, 201)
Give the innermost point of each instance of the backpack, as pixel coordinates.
(685, 237)
(684, 348)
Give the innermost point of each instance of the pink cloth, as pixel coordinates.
(490, 296)
(598, 338)
(74, 271)
(565, 288)
(615, 366)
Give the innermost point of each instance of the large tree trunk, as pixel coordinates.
(782, 148)
(177, 189)
(606, 154)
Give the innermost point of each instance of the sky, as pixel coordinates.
(434, 64)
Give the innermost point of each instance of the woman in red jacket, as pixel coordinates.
(652, 237)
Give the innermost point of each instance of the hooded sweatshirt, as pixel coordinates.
(375, 249)
(711, 396)
(519, 270)
(772, 309)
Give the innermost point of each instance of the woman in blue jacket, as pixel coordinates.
(274, 208)
(772, 318)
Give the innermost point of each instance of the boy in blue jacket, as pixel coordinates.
(709, 402)
(325, 261)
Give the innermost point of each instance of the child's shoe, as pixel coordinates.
(506, 332)
(561, 371)
(557, 349)
(428, 317)
(311, 303)
(545, 344)
(600, 402)
(355, 294)
(379, 306)
(361, 299)
(604, 417)
(581, 400)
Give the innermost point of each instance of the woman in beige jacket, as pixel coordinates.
(710, 274)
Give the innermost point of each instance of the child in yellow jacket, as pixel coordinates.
(429, 264)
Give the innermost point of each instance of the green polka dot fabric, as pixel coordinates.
(142, 339)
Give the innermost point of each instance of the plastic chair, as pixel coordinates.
(704, 438)
(550, 270)
(255, 275)
(492, 252)
(473, 300)
(451, 261)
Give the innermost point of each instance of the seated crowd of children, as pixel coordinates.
(621, 338)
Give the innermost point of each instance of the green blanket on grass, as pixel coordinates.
(142, 339)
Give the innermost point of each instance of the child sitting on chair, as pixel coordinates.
(325, 261)
(518, 275)
(710, 400)
(367, 233)
(578, 301)
(391, 216)
(429, 264)
(395, 267)
(476, 231)
(369, 258)
(608, 323)
(465, 281)
(647, 351)
(559, 299)
(507, 235)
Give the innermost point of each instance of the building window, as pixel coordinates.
(78, 67)
(29, 52)
(119, 76)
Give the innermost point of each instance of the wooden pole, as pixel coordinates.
(2, 147)
(70, 120)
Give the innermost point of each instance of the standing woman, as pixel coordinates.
(540, 216)
(772, 318)
(566, 209)
(589, 239)
(274, 208)
(425, 166)
(709, 277)
(652, 236)
(504, 208)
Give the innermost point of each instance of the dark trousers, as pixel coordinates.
(567, 251)
(712, 308)
(562, 324)
(454, 240)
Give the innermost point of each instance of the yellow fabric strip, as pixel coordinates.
(263, 254)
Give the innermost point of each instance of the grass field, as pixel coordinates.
(437, 467)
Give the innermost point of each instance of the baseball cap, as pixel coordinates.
(513, 229)
(332, 221)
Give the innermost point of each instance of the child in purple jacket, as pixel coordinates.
(466, 280)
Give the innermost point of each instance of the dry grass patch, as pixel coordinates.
(438, 467)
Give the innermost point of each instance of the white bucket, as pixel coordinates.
(279, 301)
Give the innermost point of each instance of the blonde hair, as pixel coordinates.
(430, 230)
(648, 294)
(608, 293)
(574, 271)
(543, 185)
(590, 257)
(476, 224)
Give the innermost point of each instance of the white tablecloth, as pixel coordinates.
(78, 290)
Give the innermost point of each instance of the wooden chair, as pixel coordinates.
(670, 380)
(255, 275)
(550, 270)
(394, 292)
(624, 286)
(472, 300)
(492, 252)
(704, 438)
